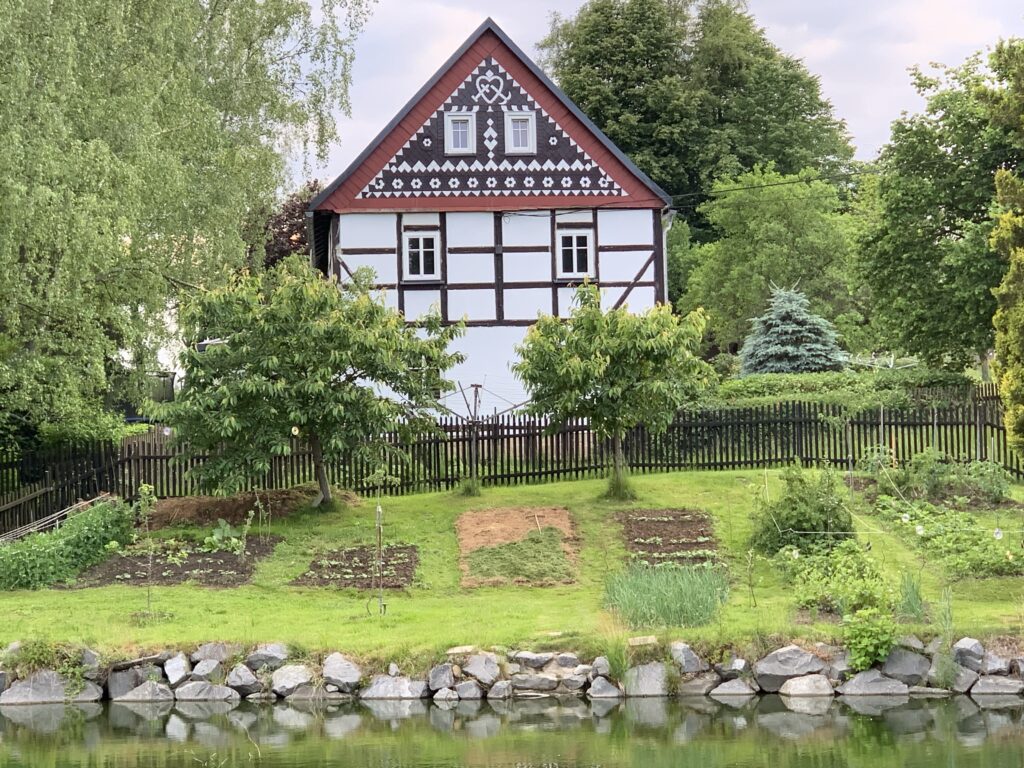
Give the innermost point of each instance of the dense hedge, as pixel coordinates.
(43, 559)
(887, 387)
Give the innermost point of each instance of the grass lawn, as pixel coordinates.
(437, 613)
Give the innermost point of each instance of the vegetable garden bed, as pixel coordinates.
(677, 536)
(356, 568)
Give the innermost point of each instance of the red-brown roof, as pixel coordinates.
(636, 190)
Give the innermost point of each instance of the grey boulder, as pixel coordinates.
(177, 669)
(199, 690)
(906, 666)
(342, 672)
(390, 687)
(484, 667)
(446, 695)
(699, 685)
(221, 652)
(784, 664)
(600, 668)
(534, 660)
(963, 678)
(469, 689)
(526, 681)
(871, 682)
(270, 657)
(733, 668)
(991, 664)
(3, 681)
(287, 679)
(808, 685)
(149, 691)
(688, 660)
(997, 686)
(735, 687)
(567, 660)
(241, 679)
(646, 680)
(48, 687)
(207, 670)
(122, 681)
(602, 688)
(968, 652)
(500, 690)
(441, 677)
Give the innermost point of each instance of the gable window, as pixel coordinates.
(520, 133)
(421, 259)
(576, 255)
(459, 133)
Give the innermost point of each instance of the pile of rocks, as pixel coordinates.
(220, 672)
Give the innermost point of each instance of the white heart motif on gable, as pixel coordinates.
(490, 88)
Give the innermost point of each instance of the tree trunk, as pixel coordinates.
(321, 472)
(618, 488)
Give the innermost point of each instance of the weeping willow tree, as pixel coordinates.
(140, 145)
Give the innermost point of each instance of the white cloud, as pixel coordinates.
(860, 50)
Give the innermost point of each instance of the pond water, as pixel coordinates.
(536, 733)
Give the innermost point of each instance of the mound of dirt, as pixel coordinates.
(205, 511)
(489, 528)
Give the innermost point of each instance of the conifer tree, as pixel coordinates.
(789, 338)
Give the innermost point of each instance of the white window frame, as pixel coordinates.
(433, 236)
(531, 149)
(449, 120)
(575, 273)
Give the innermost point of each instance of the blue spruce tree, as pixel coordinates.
(789, 338)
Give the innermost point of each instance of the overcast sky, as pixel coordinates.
(861, 50)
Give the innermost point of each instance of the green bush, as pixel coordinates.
(668, 595)
(811, 515)
(43, 559)
(985, 480)
(890, 388)
(842, 581)
(952, 538)
(910, 604)
(870, 635)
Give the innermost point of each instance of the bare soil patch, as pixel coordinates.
(174, 565)
(356, 568)
(489, 529)
(679, 536)
(205, 511)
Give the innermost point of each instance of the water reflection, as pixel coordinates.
(638, 732)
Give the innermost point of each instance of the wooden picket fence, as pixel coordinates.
(514, 449)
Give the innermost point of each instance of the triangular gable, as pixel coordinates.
(574, 164)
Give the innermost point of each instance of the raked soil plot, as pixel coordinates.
(678, 536)
(535, 546)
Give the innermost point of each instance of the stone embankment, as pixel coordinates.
(225, 673)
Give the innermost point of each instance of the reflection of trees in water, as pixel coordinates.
(648, 733)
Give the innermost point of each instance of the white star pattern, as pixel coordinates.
(529, 182)
(435, 183)
(397, 184)
(473, 183)
(566, 182)
(428, 142)
(549, 182)
(453, 183)
(510, 182)
(492, 182)
(416, 183)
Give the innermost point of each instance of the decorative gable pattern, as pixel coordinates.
(560, 166)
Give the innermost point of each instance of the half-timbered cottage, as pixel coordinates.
(490, 196)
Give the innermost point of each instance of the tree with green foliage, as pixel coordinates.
(1007, 109)
(789, 338)
(926, 255)
(139, 145)
(613, 368)
(295, 355)
(770, 231)
(693, 91)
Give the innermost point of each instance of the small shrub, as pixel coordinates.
(869, 635)
(43, 559)
(668, 595)
(842, 581)
(811, 515)
(930, 474)
(985, 480)
(616, 650)
(910, 604)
